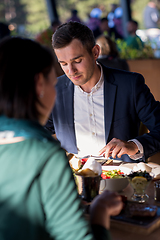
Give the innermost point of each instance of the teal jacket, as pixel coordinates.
(38, 196)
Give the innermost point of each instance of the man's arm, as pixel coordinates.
(148, 111)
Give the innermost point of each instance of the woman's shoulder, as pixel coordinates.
(40, 153)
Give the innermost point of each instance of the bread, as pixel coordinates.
(75, 163)
(87, 173)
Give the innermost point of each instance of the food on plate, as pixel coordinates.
(139, 181)
(107, 174)
(87, 167)
(109, 162)
(90, 168)
(87, 173)
(142, 210)
(75, 163)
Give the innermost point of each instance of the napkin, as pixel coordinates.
(93, 165)
(149, 167)
(156, 172)
(143, 167)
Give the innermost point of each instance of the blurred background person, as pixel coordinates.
(104, 29)
(151, 14)
(109, 55)
(118, 13)
(39, 199)
(94, 18)
(133, 40)
(111, 16)
(74, 16)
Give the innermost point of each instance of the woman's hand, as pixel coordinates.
(103, 206)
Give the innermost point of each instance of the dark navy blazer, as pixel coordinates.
(127, 102)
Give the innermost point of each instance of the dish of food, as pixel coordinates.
(87, 167)
(107, 174)
(113, 178)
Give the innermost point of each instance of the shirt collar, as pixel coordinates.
(98, 84)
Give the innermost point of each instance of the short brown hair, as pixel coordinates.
(21, 59)
(66, 32)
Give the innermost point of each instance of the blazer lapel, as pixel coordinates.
(68, 101)
(109, 101)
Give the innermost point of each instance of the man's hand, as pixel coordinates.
(117, 147)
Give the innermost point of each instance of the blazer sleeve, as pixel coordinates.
(149, 113)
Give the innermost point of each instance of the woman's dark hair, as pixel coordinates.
(21, 60)
(66, 32)
(4, 30)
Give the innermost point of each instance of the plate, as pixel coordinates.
(142, 225)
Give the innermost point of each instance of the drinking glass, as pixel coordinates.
(88, 187)
(139, 185)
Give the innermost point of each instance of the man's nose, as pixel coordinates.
(71, 69)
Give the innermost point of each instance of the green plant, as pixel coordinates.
(127, 52)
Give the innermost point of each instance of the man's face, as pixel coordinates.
(76, 62)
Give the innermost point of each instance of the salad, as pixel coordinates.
(112, 174)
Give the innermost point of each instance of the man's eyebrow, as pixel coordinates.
(72, 58)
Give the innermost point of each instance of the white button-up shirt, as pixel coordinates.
(89, 120)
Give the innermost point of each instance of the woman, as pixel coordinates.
(38, 197)
(109, 55)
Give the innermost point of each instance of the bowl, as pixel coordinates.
(115, 184)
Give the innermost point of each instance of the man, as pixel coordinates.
(98, 110)
(133, 40)
(151, 14)
(104, 29)
(74, 16)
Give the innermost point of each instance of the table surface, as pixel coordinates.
(124, 233)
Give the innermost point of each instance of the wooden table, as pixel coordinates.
(123, 232)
